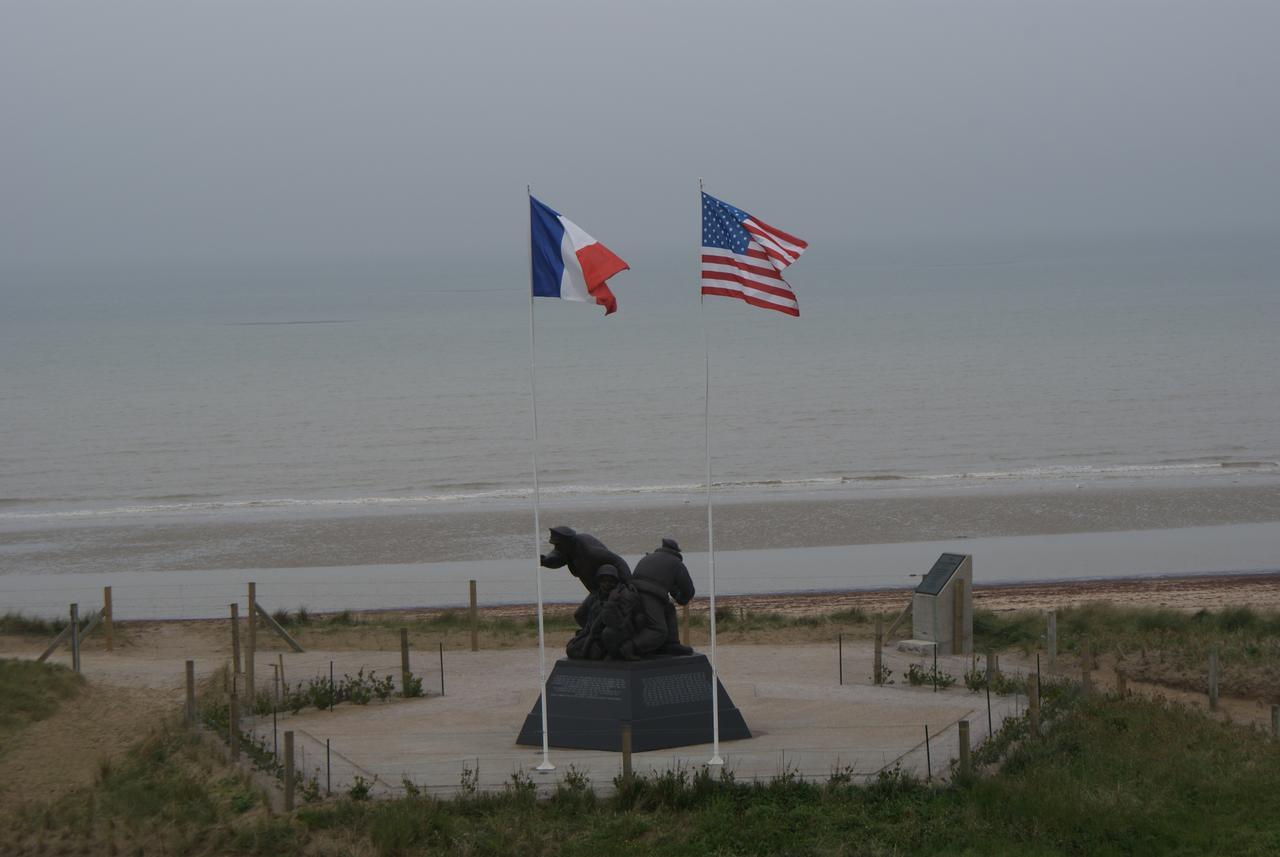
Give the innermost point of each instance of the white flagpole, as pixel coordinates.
(537, 527)
(711, 544)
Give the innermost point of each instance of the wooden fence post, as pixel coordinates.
(1213, 679)
(191, 693)
(404, 663)
(233, 724)
(1275, 721)
(108, 616)
(1051, 639)
(75, 637)
(235, 640)
(626, 750)
(993, 666)
(1033, 706)
(877, 659)
(964, 748)
(475, 619)
(288, 770)
(279, 630)
(251, 649)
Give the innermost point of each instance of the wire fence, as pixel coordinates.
(148, 596)
(326, 768)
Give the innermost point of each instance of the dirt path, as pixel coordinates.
(66, 750)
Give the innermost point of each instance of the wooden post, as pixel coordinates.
(1122, 684)
(957, 630)
(107, 617)
(233, 724)
(686, 637)
(626, 750)
(251, 651)
(877, 659)
(288, 770)
(1213, 679)
(75, 637)
(475, 619)
(928, 756)
(442, 669)
(1051, 639)
(191, 693)
(1275, 721)
(840, 657)
(993, 667)
(280, 655)
(964, 748)
(404, 663)
(1033, 707)
(279, 630)
(235, 639)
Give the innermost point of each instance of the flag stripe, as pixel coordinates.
(758, 270)
(781, 237)
(720, 278)
(781, 291)
(730, 293)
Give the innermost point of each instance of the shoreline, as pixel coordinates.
(1259, 589)
(391, 538)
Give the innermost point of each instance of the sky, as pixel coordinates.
(401, 135)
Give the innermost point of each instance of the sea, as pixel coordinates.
(241, 393)
(285, 396)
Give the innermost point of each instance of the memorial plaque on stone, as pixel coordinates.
(666, 700)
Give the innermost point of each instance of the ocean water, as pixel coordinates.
(352, 394)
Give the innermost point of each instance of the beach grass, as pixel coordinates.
(1111, 776)
(31, 691)
(1159, 645)
(21, 625)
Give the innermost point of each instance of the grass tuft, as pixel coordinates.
(31, 691)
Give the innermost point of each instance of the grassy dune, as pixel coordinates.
(1111, 777)
(31, 691)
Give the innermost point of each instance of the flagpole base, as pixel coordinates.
(546, 766)
(715, 761)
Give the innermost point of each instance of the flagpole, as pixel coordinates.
(711, 544)
(537, 526)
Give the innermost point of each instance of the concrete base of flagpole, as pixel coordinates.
(546, 766)
(714, 761)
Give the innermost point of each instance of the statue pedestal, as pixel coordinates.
(666, 700)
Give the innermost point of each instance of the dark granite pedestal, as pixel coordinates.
(666, 700)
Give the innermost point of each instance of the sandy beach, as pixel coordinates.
(271, 540)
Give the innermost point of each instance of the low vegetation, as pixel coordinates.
(1111, 776)
(21, 625)
(31, 691)
(1161, 646)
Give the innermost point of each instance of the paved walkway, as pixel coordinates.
(802, 721)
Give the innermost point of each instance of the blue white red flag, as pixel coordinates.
(567, 262)
(743, 257)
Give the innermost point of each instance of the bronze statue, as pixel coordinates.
(658, 575)
(630, 620)
(584, 554)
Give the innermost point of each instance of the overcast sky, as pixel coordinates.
(403, 133)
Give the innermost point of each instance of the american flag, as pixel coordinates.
(743, 257)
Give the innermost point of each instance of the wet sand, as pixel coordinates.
(434, 535)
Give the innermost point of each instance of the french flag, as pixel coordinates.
(567, 262)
